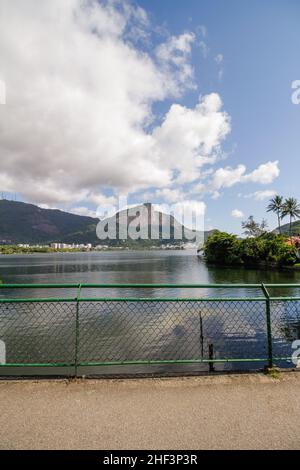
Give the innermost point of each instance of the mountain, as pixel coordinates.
(26, 223)
(285, 229)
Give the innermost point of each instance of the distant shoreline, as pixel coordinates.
(28, 251)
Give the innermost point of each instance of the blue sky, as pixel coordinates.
(104, 100)
(260, 43)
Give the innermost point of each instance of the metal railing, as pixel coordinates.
(77, 331)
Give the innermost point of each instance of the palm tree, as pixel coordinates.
(275, 206)
(292, 209)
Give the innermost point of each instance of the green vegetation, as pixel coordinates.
(273, 373)
(267, 249)
(285, 229)
(29, 224)
(260, 247)
(13, 249)
(291, 208)
(254, 229)
(288, 208)
(275, 205)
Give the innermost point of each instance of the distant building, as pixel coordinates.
(73, 246)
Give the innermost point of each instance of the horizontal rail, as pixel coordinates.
(284, 299)
(145, 362)
(171, 299)
(46, 364)
(136, 299)
(79, 287)
(39, 286)
(145, 286)
(36, 299)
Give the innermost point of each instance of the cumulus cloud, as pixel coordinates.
(264, 174)
(79, 116)
(190, 138)
(80, 97)
(228, 177)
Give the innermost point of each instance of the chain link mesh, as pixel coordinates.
(285, 320)
(38, 332)
(182, 330)
(116, 331)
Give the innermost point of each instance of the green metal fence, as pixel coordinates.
(82, 330)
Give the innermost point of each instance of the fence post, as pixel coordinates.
(269, 325)
(77, 329)
(211, 357)
(201, 335)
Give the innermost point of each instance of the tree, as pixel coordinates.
(222, 248)
(276, 205)
(269, 249)
(254, 229)
(291, 208)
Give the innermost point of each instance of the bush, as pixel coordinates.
(267, 249)
(286, 256)
(222, 248)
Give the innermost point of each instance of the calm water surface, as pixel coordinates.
(171, 267)
(157, 330)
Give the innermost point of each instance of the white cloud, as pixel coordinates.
(81, 96)
(264, 174)
(261, 195)
(228, 177)
(100, 199)
(191, 138)
(169, 195)
(237, 214)
(176, 51)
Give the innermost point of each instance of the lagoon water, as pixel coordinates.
(165, 266)
(130, 331)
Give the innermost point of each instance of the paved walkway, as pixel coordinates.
(246, 411)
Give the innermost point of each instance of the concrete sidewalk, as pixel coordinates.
(221, 412)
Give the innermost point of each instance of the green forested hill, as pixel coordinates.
(295, 228)
(27, 223)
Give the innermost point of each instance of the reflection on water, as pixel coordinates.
(139, 330)
(148, 267)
